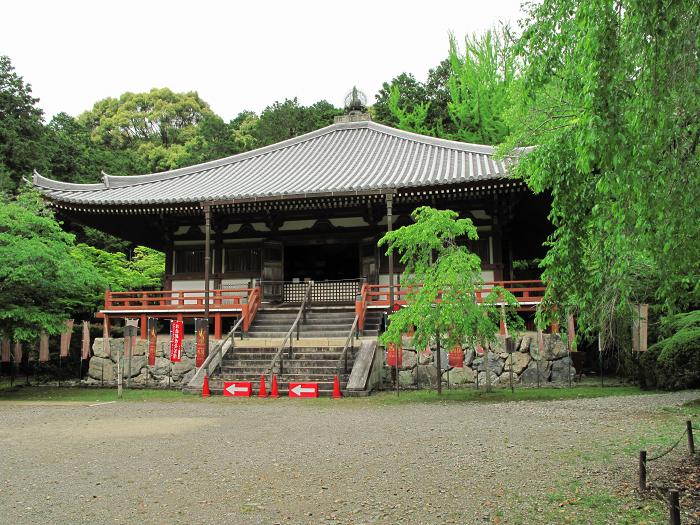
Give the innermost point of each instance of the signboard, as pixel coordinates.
(176, 330)
(130, 329)
(392, 352)
(303, 389)
(152, 340)
(200, 334)
(238, 388)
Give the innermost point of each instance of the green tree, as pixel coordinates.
(156, 126)
(445, 288)
(284, 120)
(42, 282)
(411, 93)
(610, 94)
(479, 80)
(21, 128)
(144, 270)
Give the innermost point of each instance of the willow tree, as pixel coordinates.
(610, 94)
(446, 300)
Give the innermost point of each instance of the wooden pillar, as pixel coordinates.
(217, 326)
(144, 327)
(496, 235)
(389, 220)
(207, 271)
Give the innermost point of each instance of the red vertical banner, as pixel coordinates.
(5, 349)
(86, 340)
(66, 337)
(43, 347)
(200, 330)
(176, 328)
(152, 340)
(18, 352)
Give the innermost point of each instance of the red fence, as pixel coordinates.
(527, 293)
(242, 302)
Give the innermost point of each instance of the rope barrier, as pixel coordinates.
(670, 449)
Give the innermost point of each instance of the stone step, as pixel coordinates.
(303, 333)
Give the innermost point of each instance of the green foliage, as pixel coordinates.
(41, 281)
(674, 362)
(144, 271)
(284, 120)
(610, 94)
(444, 282)
(405, 95)
(21, 128)
(479, 81)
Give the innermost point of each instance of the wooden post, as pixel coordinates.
(207, 271)
(642, 470)
(217, 326)
(438, 362)
(389, 220)
(689, 431)
(144, 328)
(674, 508)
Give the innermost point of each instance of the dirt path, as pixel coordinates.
(286, 462)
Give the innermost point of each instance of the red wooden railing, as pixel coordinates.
(229, 299)
(527, 293)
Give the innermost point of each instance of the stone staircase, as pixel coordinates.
(315, 357)
(308, 365)
(321, 322)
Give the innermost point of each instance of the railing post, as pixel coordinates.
(689, 431)
(674, 508)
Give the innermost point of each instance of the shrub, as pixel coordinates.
(673, 363)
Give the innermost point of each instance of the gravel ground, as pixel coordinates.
(284, 461)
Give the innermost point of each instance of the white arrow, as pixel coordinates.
(298, 390)
(232, 389)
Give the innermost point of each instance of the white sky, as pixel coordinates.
(237, 55)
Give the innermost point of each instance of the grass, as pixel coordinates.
(464, 395)
(583, 503)
(73, 394)
(500, 395)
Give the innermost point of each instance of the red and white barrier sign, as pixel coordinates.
(176, 341)
(303, 389)
(238, 388)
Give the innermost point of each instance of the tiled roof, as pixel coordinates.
(339, 159)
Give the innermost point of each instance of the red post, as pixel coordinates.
(144, 328)
(180, 318)
(246, 317)
(217, 326)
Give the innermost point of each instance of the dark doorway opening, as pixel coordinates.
(328, 262)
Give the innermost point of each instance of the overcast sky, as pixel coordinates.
(236, 55)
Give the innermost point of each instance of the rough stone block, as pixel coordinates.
(100, 365)
(561, 371)
(461, 376)
(529, 375)
(520, 362)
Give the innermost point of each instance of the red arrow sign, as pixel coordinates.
(238, 388)
(303, 389)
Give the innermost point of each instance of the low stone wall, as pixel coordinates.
(103, 367)
(418, 368)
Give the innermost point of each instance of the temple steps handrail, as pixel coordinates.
(352, 335)
(216, 356)
(295, 325)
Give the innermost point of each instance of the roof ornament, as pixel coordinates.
(355, 102)
(105, 178)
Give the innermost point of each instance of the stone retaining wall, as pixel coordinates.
(418, 369)
(103, 367)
